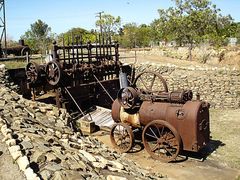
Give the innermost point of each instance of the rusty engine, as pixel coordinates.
(81, 75)
(171, 121)
(20, 50)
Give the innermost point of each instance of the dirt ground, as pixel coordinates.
(8, 169)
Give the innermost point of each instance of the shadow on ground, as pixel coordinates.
(202, 155)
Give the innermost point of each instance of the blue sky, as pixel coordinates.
(62, 15)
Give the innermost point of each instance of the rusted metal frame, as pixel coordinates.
(89, 49)
(64, 55)
(96, 50)
(73, 50)
(81, 44)
(73, 63)
(55, 54)
(116, 46)
(107, 47)
(103, 87)
(75, 46)
(68, 52)
(110, 45)
(75, 102)
(100, 47)
(77, 38)
(103, 47)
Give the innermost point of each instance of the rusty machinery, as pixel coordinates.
(81, 74)
(170, 121)
(19, 50)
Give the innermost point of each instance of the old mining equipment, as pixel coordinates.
(20, 50)
(82, 75)
(171, 121)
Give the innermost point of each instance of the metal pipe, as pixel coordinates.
(76, 103)
(103, 87)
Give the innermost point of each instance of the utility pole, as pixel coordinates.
(3, 23)
(99, 14)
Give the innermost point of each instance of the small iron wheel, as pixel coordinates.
(161, 140)
(150, 82)
(121, 136)
(32, 72)
(53, 72)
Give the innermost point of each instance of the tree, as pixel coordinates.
(128, 37)
(75, 35)
(109, 25)
(11, 42)
(235, 31)
(39, 37)
(192, 22)
(135, 36)
(143, 36)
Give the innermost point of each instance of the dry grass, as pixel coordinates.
(225, 127)
(19, 63)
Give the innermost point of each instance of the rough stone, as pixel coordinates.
(2, 103)
(76, 165)
(87, 155)
(14, 148)
(16, 154)
(116, 164)
(111, 177)
(58, 134)
(11, 142)
(45, 174)
(30, 175)
(38, 157)
(51, 157)
(42, 147)
(99, 165)
(51, 166)
(26, 145)
(59, 176)
(23, 162)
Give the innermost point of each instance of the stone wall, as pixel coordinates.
(219, 86)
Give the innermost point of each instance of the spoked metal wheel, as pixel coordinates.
(121, 136)
(161, 140)
(54, 72)
(127, 97)
(150, 83)
(32, 72)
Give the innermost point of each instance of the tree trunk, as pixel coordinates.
(190, 51)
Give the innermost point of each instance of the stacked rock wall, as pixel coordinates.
(219, 86)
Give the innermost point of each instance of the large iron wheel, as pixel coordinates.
(161, 140)
(121, 136)
(54, 72)
(127, 97)
(32, 72)
(150, 83)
